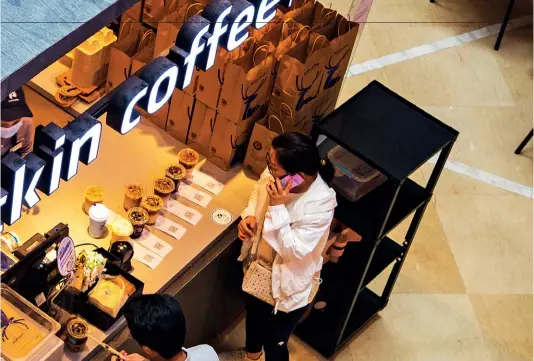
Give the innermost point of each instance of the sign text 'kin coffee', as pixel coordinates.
(57, 151)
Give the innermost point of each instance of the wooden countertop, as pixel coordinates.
(35, 33)
(139, 156)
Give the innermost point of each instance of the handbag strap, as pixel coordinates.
(257, 237)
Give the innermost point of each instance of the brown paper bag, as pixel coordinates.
(229, 141)
(201, 127)
(246, 84)
(145, 53)
(338, 54)
(300, 73)
(159, 118)
(154, 10)
(180, 115)
(122, 52)
(259, 144)
(303, 120)
(209, 83)
(170, 25)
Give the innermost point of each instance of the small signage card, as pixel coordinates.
(173, 229)
(207, 182)
(154, 243)
(194, 195)
(145, 256)
(186, 213)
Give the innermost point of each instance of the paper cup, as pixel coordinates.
(98, 215)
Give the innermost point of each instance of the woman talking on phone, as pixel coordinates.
(284, 230)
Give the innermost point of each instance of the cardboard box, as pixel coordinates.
(201, 127)
(159, 118)
(180, 115)
(229, 141)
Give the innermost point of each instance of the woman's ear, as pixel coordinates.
(147, 350)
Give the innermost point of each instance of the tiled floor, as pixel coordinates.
(465, 292)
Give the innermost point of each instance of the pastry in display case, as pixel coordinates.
(27, 332)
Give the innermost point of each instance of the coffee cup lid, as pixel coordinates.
(98, 211)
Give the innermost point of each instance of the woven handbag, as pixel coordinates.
(258, 280)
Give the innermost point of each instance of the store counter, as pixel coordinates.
(141, 156)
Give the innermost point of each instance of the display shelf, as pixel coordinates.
(320, 329)
(367, 306)
(338, 286)
(366, 215)
(386, 131)
(395, 137)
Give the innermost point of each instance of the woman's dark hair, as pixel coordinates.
(156, 321)
(297, 153)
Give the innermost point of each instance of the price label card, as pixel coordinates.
(154, 243)
(186, 213)
(173, 229)
(145, 256)
(194, 195)
(207, 182)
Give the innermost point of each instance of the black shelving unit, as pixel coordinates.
(397, 138)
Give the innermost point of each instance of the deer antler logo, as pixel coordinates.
(249, 110)
(331, 70)
(302, 100)
(318, 115)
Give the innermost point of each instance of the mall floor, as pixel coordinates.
(465, 292)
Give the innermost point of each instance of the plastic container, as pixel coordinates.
(353, 177)
(27, 326)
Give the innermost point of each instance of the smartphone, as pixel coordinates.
(297, 180)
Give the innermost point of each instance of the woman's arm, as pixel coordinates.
(294, 241)
(253, 200)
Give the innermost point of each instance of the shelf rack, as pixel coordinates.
(397, 138)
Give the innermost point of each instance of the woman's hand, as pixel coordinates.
(126, 357)
(246, 229)
(277, 194)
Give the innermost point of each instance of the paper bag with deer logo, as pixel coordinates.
(180, 115)
(260, 143)
(342, 40)
(201, 127)
(229, 140)
(300, 73)
(246, 84)
(302, 121)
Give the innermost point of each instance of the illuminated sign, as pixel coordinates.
(58, 151)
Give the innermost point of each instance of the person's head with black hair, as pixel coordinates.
(157, 323)
(296, 153)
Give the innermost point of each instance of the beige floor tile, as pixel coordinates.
(490, 233)
(430, 267)
(506, 323)
(488, 138)
(425, 328)
(467, 75)
(396, 25)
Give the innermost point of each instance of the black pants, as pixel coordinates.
(270, 331)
